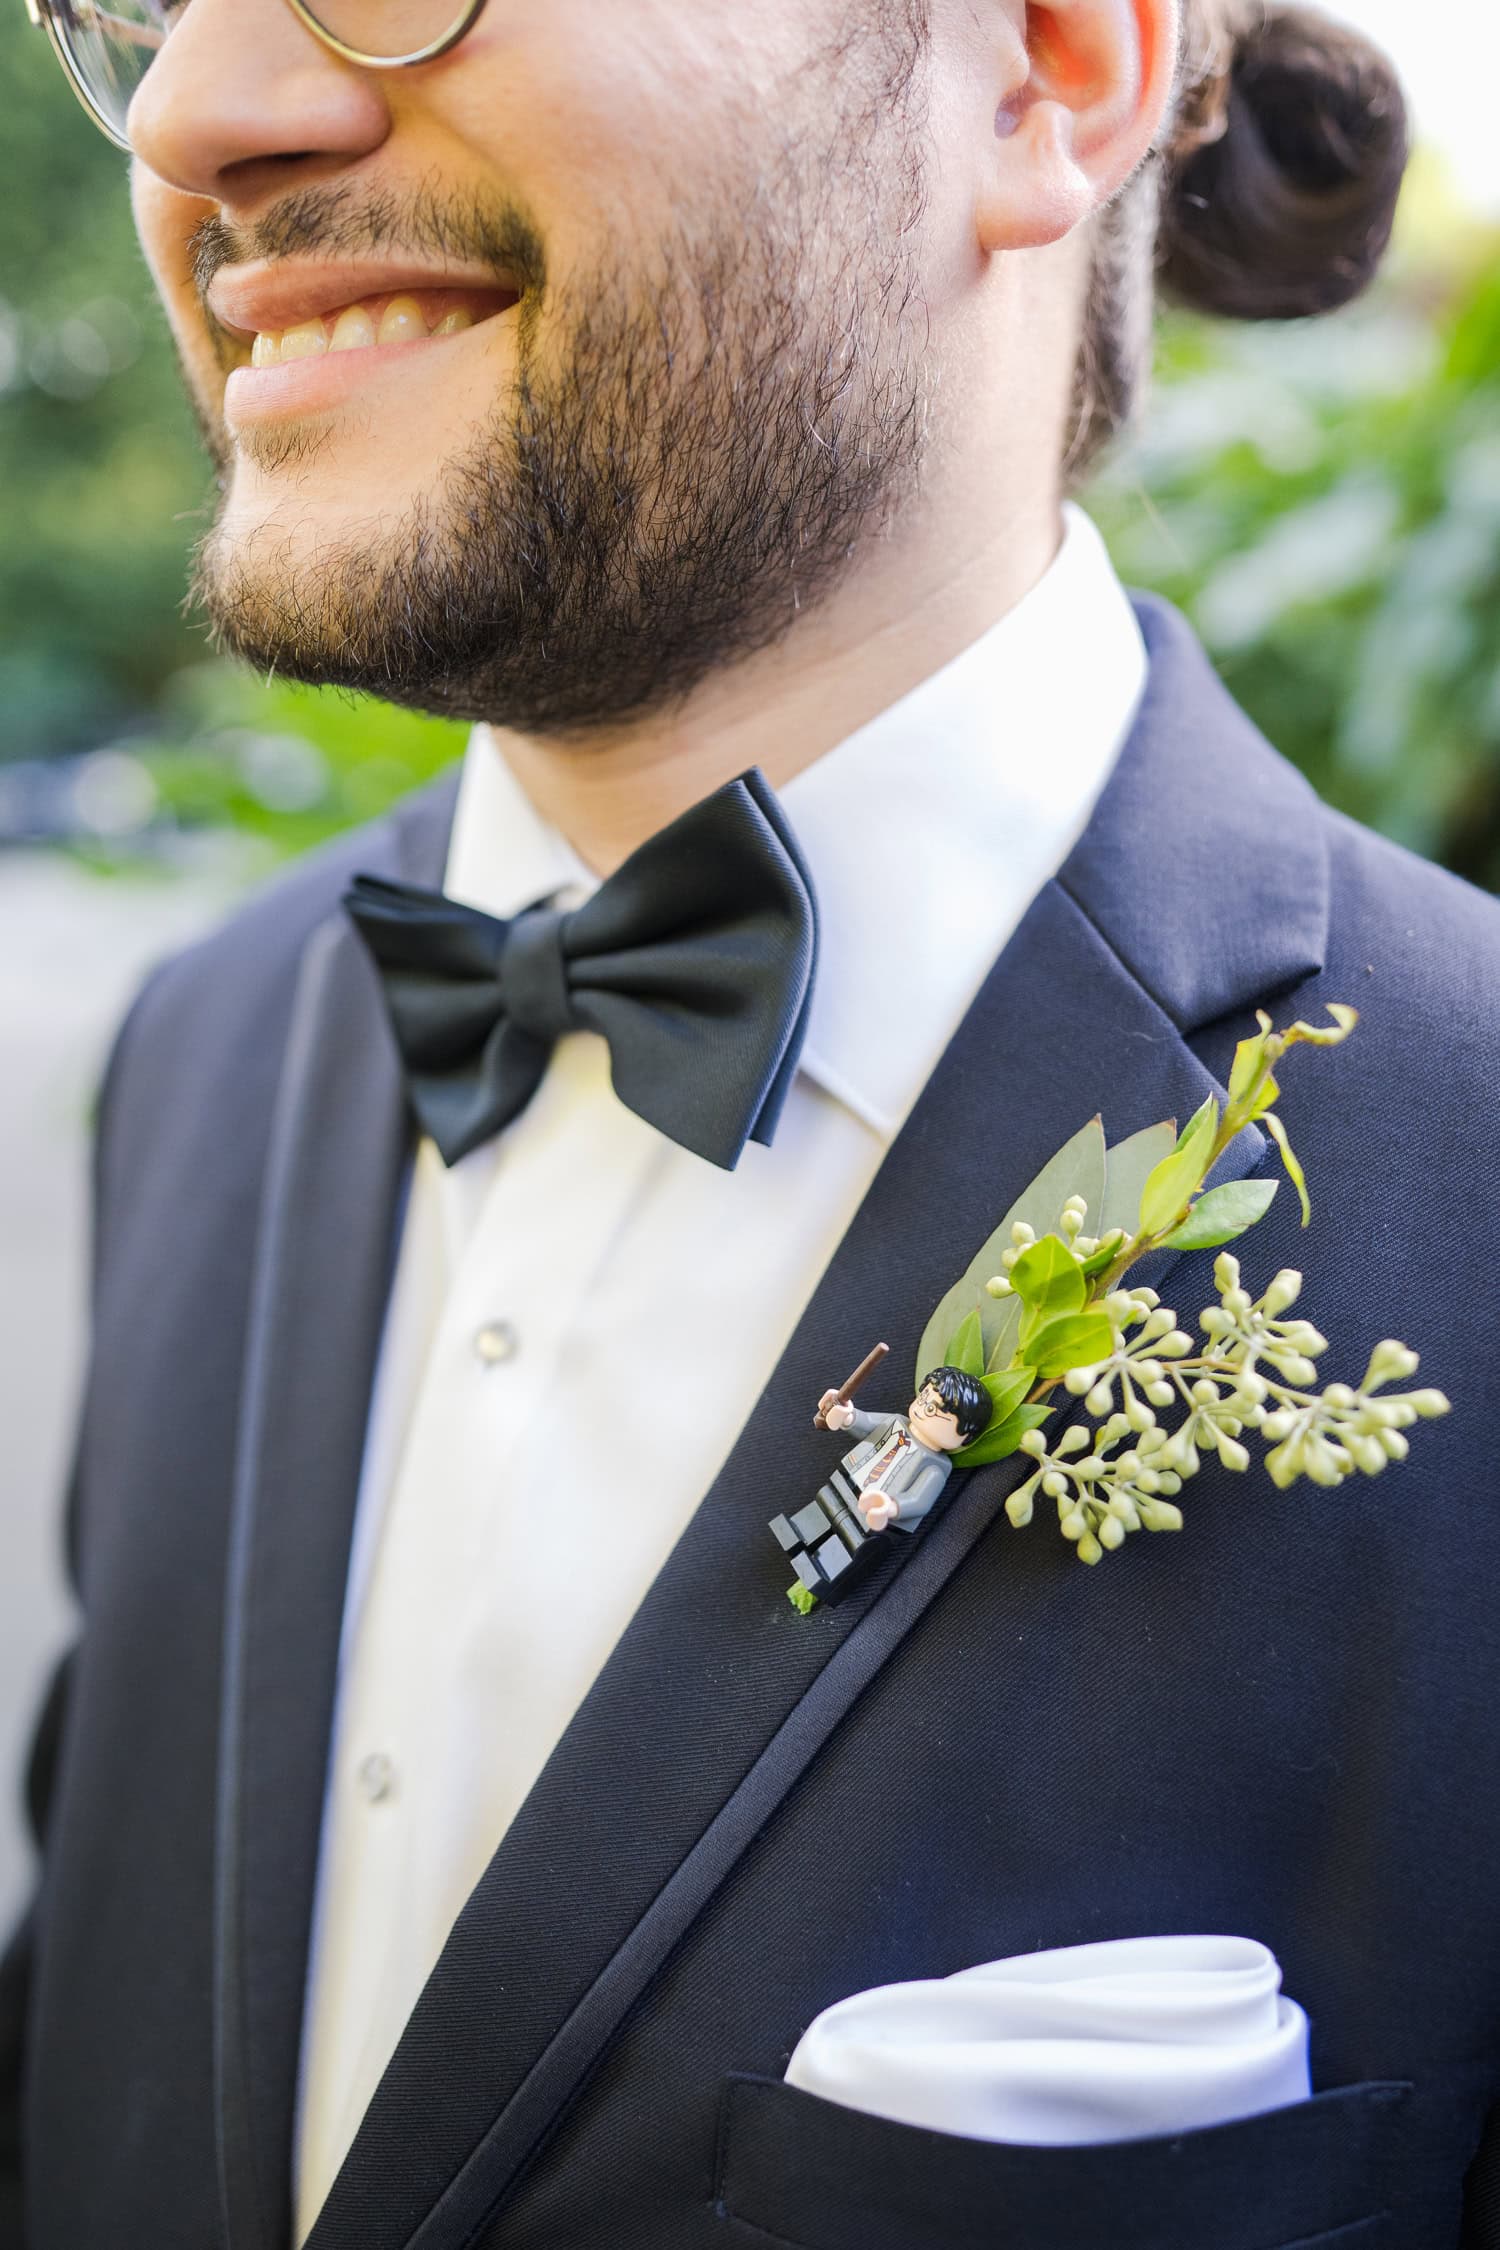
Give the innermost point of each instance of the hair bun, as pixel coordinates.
(1288, 209)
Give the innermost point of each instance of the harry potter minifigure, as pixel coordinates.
(892, 1478)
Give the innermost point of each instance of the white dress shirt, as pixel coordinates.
(553, 1398)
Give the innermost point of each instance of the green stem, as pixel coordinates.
(1206, 1364)
(1231, 1124)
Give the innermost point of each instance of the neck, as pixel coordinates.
(920, 598)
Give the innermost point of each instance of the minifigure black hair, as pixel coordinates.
(965, 1397)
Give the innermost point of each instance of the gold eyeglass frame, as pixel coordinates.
(42, 14)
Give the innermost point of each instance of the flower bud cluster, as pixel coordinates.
(1214, 1421)
(1245, 1379)
(1134, 1363)
(1101, 1496)
(1342, 1430)
(1245, 1332)
(1022, 1237)
(1069, 1229)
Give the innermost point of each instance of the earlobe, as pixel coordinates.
(1040, 191)
(1096, 83)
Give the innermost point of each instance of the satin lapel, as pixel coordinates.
(332, 1188)
(718, 1694)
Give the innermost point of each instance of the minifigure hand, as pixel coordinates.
(878, 1510)
(837, 1412)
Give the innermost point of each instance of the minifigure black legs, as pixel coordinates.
(827, 1543)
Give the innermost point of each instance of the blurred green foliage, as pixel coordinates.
(1323, 499)
(99, 468)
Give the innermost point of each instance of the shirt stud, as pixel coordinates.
(376, 1777)
(496, 1342)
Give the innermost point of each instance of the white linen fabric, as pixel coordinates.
(552, 1399)
(1108, 2042)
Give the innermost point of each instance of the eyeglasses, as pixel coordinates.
(107, 51)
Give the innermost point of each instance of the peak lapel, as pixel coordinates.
(718, 1695)
(326, 1237)
(1205, 864)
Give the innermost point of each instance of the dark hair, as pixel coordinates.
(1286, 208)
(965, 1397)
(1270, 195)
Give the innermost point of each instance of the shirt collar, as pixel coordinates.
(928, 831)
(501, 853)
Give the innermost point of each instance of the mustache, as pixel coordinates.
(340, 220)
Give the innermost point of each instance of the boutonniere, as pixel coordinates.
(1046, 1302)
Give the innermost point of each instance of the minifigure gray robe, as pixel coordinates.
(915, 1479)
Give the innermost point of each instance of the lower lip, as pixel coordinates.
(326, 379)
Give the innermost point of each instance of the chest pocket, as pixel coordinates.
(811, 2175)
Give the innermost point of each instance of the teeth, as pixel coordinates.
(352, 330)
(401, 321)
(308, 340)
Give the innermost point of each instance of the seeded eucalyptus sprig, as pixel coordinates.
(1041, 1304)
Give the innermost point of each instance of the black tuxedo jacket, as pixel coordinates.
(1280, 1723)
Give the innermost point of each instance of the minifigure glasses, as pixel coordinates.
(107, 50)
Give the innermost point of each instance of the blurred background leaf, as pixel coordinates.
(1323, 498)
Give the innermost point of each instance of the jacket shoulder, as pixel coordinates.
(252, 958)
(1421, 943)
(260, 942)
(198, 1055)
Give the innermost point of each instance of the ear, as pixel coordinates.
(1080, 105)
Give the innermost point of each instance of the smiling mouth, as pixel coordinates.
(399, 317)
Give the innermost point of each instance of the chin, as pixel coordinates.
(293, 492)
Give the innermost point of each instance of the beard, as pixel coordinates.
(692, 449)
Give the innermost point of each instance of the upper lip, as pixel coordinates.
(266, 297)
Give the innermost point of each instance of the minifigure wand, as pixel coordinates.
(846, 1391)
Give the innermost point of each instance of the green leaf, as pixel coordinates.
(965, 1348)
(1319, 1035)
(1274, 1125)
(1048, 1278)
(1001, 1438)
(1200, 1127)
(1269, 1092)
(1106, 1254)
(1248, 1058)
(1169, 1186)
(1075, 1341)
(1007, 1392)
(1222, 1214)
(1002, 1339)
(1076, 1169)
(1130, 1163)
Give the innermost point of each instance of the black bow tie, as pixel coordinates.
(695, 960)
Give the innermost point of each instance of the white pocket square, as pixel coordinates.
(1109, 2042)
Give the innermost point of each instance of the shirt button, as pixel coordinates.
(376, 1777)
(496, 1341)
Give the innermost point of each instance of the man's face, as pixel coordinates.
(933, 1422)
(679, 387)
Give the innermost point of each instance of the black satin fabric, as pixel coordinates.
(695, 960)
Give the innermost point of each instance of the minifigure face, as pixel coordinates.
(933, 1422)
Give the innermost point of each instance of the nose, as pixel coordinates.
(243, 85)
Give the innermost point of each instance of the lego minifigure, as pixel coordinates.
(891, 1479)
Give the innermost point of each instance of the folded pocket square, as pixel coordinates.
(1108, 2042)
